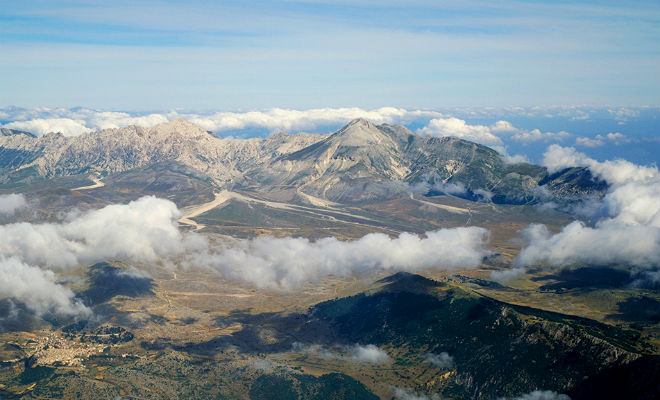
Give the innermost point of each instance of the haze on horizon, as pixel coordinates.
(202, 55)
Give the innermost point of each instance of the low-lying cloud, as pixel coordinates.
(10, 203)
(369, 354)
(146, 230)
(37, 288)
(627, 219)
(78, 121)
(542, 395)
(536, 135)
(441, 360)
(292, 262)
(459, 128)
(409, 394)
(356, 353)
(143, 230)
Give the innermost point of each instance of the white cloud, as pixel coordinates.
(314, 349)
(507, 275)
(142, 230)
(355, 353)
(627, 219)
(536, 135)
(146, 230)
(617, 137)
(369, 354)
(503, 126)
(10, 203)
(557, 158)
(442, 360)
(79, 121)
(292, 262)
(515, 159)
(42, 126)
(409, 394)
(623, 113)
(484, 195)
(278, 119)
(589, 142)
(599, 140)
(461, 129)
(37, 288)
(542, 395)
(603, 245)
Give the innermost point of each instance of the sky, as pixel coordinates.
(239, 56)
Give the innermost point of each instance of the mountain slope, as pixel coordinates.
(359, 162)
(498, 349)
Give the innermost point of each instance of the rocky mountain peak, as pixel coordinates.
(180, 127)
(13, 132)
(361, 122)
(359, 132)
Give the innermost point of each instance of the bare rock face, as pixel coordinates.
(116, 150)
(359, 162)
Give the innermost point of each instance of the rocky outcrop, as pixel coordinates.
(361, 161)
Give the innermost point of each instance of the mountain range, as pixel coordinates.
(359, 162)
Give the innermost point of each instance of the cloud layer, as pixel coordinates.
(543, 395)
(356, 353)
(79, 121)
(442, 360)
(292, 262)
(461, 129)
(37, 288)
(627, 219)
(10, 203)
(146, 230)
(143, 230)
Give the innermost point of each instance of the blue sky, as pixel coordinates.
(208, 55)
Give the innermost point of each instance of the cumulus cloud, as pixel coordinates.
(461, 129)
(515, 159)
(369, 354)
(451, 187)
(78, 121)
(37, 288)
(10, 203)
(603, 245)
(589, 142)
(292, 262)
(142, 230)
(484, 195)
(146, 230)
(314, 349)
(557, 158)
(442, 360)
(42, 126)
(278, 119)
(627, 219)
(507, 275)
(542, 395)
(600, 140)
(535, 135)
(356, 353)
(409, 394)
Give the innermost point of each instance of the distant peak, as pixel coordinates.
(360, 122)
(12, 132)
(180, 126)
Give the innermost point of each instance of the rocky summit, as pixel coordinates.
(361, 161)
